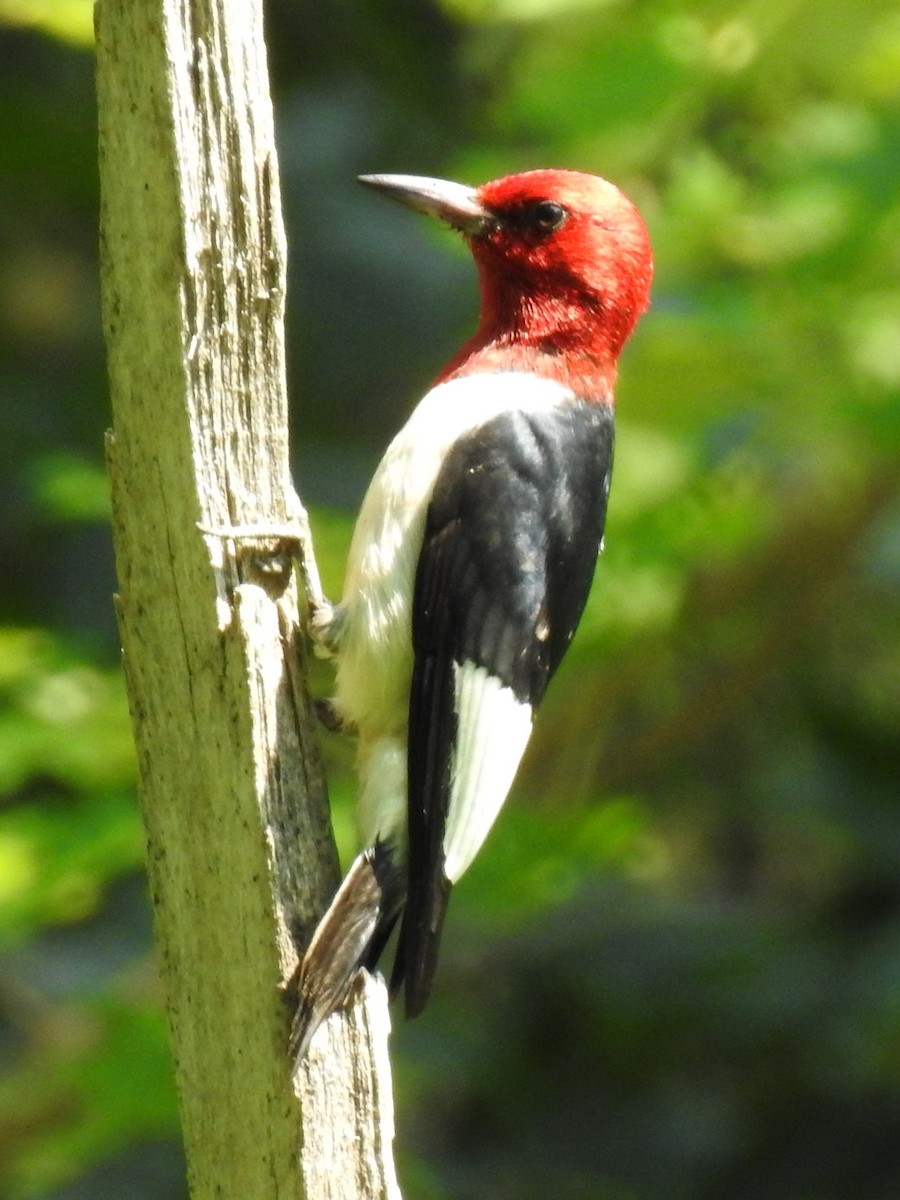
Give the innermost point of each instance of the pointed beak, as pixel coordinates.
(452, 202)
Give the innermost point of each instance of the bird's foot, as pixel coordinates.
(324, 627)
(331, 717)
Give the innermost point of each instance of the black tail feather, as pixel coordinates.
(418, 945)
(352, 934)
(433, 735)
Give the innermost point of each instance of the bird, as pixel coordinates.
(472, 558)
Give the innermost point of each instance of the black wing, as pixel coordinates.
(511, 540)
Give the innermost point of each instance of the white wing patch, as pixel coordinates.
(493, 731)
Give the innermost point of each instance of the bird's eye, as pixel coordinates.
(548, 216)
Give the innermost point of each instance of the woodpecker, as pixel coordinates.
(472, 558)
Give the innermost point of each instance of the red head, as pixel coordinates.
(564, 263)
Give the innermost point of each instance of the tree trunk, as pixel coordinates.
(240, 855)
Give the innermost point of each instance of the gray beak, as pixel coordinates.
(452, 202)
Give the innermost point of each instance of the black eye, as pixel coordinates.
(547, 216)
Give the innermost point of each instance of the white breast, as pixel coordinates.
(375, 657)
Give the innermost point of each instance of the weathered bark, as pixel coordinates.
(240, 854)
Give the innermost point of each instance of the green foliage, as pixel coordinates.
(97, 1078)
(673, 970)
(70, 488)
(70, 20)
(92, 1069)
(66, 768)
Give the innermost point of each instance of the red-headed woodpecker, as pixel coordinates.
(473, 556)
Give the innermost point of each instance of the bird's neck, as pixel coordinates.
(560, 336)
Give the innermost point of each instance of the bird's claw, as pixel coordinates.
(331, 717)
(323, 627)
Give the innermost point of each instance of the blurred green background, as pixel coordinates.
(674, 971)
